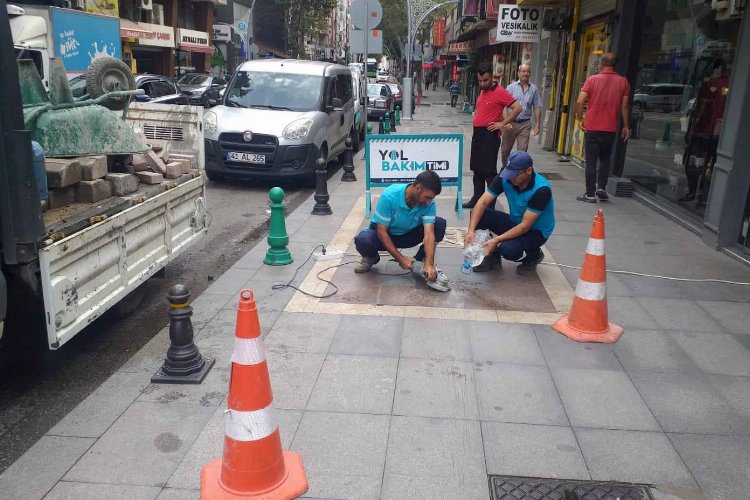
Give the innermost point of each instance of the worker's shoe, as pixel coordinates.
(529, 266)
(602, 195)
(489, 263)
(587, 198)
(366, 264)
(468, 204)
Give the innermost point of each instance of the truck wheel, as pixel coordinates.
(129, 303)
(107, 74)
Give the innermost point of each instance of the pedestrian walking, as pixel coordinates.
(405, 216)
(455, 89)
(519, 130)
(519, 234)
(608, 96)
(488, 123)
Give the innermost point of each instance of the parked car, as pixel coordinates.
(664, 96)
(277, 117)
(359, 86)
(398, 95)
(159, 90)
(202, 90)
(380, 100)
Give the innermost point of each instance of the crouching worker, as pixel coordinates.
(518, 235)
(405, 217)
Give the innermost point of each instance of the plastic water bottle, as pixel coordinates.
(466, 267)
(474, 254)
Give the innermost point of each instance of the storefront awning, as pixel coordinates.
(192, 47)
(129, 29)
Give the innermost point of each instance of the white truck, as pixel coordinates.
(63, 268)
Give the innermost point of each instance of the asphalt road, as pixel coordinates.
(38, 391)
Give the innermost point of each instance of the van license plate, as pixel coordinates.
(246, 157)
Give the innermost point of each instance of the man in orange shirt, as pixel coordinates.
(488, 125)
(608, 97)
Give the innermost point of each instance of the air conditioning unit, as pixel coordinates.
(146, 4)
(156, 16)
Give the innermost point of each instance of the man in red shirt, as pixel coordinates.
(608, 97)
(488, 126)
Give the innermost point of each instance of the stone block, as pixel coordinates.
(93, 167)
(123, 184)
(152, 160)
(139, 163)
(93, 191)
(62, 172)
(149, 177)
(174, 170)
(156, 144)
(191, 159)
(62, 196)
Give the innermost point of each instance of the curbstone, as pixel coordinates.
(93, 167)
(93, 191)
(123, 184)
(149, 177)
(62, 196)
(62, 172)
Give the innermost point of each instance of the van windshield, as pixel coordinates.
(253, 89)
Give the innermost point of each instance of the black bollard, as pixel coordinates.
(348, 167)
(321, 189)
(381, 129)
(393, 122)
(184, 363)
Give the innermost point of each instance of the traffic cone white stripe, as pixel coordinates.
(591, 291)
(250, 425)
(595, 247)
(248, 352)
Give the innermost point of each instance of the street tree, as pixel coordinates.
(304, 18)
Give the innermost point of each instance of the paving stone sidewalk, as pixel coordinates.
(423, 402)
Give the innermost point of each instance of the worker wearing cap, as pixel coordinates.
(520, 234)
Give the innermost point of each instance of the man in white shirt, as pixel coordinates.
(519, 130)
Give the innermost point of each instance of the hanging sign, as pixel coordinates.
(519, 24)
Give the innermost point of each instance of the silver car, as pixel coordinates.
(277, 117)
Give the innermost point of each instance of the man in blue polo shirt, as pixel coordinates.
(520, 234)
(404, 217)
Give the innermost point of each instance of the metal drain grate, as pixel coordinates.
(532, 488)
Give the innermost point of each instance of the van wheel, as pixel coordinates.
(107, 74)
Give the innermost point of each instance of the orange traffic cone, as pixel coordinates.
(254, 465)
(588, 320)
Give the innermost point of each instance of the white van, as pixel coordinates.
(277, 117)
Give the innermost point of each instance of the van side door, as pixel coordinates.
(335, 117)
(346, 94)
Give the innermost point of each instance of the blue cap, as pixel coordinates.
(518, 161)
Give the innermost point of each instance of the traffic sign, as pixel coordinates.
(366, 14)
(374, 41)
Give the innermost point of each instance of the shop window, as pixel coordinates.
(678, 105)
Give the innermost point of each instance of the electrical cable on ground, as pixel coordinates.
(644, 275)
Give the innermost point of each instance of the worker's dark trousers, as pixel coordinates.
(368, 244)
(499, 222)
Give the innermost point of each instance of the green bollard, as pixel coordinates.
(667, 136)
(398, 115)
(369, 129)
(278, 254)
(387, 124)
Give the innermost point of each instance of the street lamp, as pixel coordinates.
(416, 12)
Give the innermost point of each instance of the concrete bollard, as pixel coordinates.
(278, 254)
(184, 363)
(321, 190)
(348, 167)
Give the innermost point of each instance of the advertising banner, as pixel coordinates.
(519, 24)
(461, 48)
(471, 8)
(193, 41)
(79, 38)
(222, 33)
(399, 158)
(438, 33)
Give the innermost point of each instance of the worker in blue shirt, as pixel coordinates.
(404, 217)
(520, 234)
(455, 90)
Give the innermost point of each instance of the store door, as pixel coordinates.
(595, 42)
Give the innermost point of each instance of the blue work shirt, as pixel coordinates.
(392, 211)
(527, 100)
(536, 197)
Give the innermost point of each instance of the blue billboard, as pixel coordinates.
(79, 38)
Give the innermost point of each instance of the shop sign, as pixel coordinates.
(222, 33)
(519, 24)
(104, 7)
(438, 33)
(460, 48)
(151, 35)
(193, 41)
